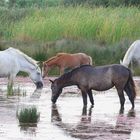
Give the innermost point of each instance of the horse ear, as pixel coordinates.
(39, 62)
(44, 64)
(51, 81)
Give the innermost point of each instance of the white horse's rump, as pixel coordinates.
(12, 61)
(133, 53)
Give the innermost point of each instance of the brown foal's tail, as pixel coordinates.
(90, 60)
(132, 84)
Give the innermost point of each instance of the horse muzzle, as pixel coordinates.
(43, 76)
(53, 100)
(39, 85)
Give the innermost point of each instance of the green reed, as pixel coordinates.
(107, 25)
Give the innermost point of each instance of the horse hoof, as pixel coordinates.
(92, 106)
(121, 110)
(53, 104)
(131, 113)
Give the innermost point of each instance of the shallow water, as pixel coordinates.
(67, 120)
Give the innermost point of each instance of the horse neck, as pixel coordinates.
(52, 62)
(128, 56)
(66, 80)
(25, 65)
(131, 52)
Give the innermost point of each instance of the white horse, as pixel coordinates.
(132, 54)
(12, 61)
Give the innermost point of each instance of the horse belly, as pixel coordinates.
(4, 71)
(6, 67)
(101, 85)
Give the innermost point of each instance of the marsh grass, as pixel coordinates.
(28, 116)
(20, 91)
(9, 17)
(10, 91)
(105, 25)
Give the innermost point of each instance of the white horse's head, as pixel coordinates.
(36, 77)
(29, 65)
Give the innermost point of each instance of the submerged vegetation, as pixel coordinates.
(15, 91)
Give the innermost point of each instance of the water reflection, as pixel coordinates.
(31, 131)
(68, 121)
(88, 128)
(86, 118)
(125, 123)
(55, 116)
(131, 113)
(36, 93)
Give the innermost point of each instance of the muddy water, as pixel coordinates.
(67, 120)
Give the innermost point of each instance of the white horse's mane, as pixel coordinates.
(29, 59)
(129, 54)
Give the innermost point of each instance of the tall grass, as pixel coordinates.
(106, 25)
(8, 18)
